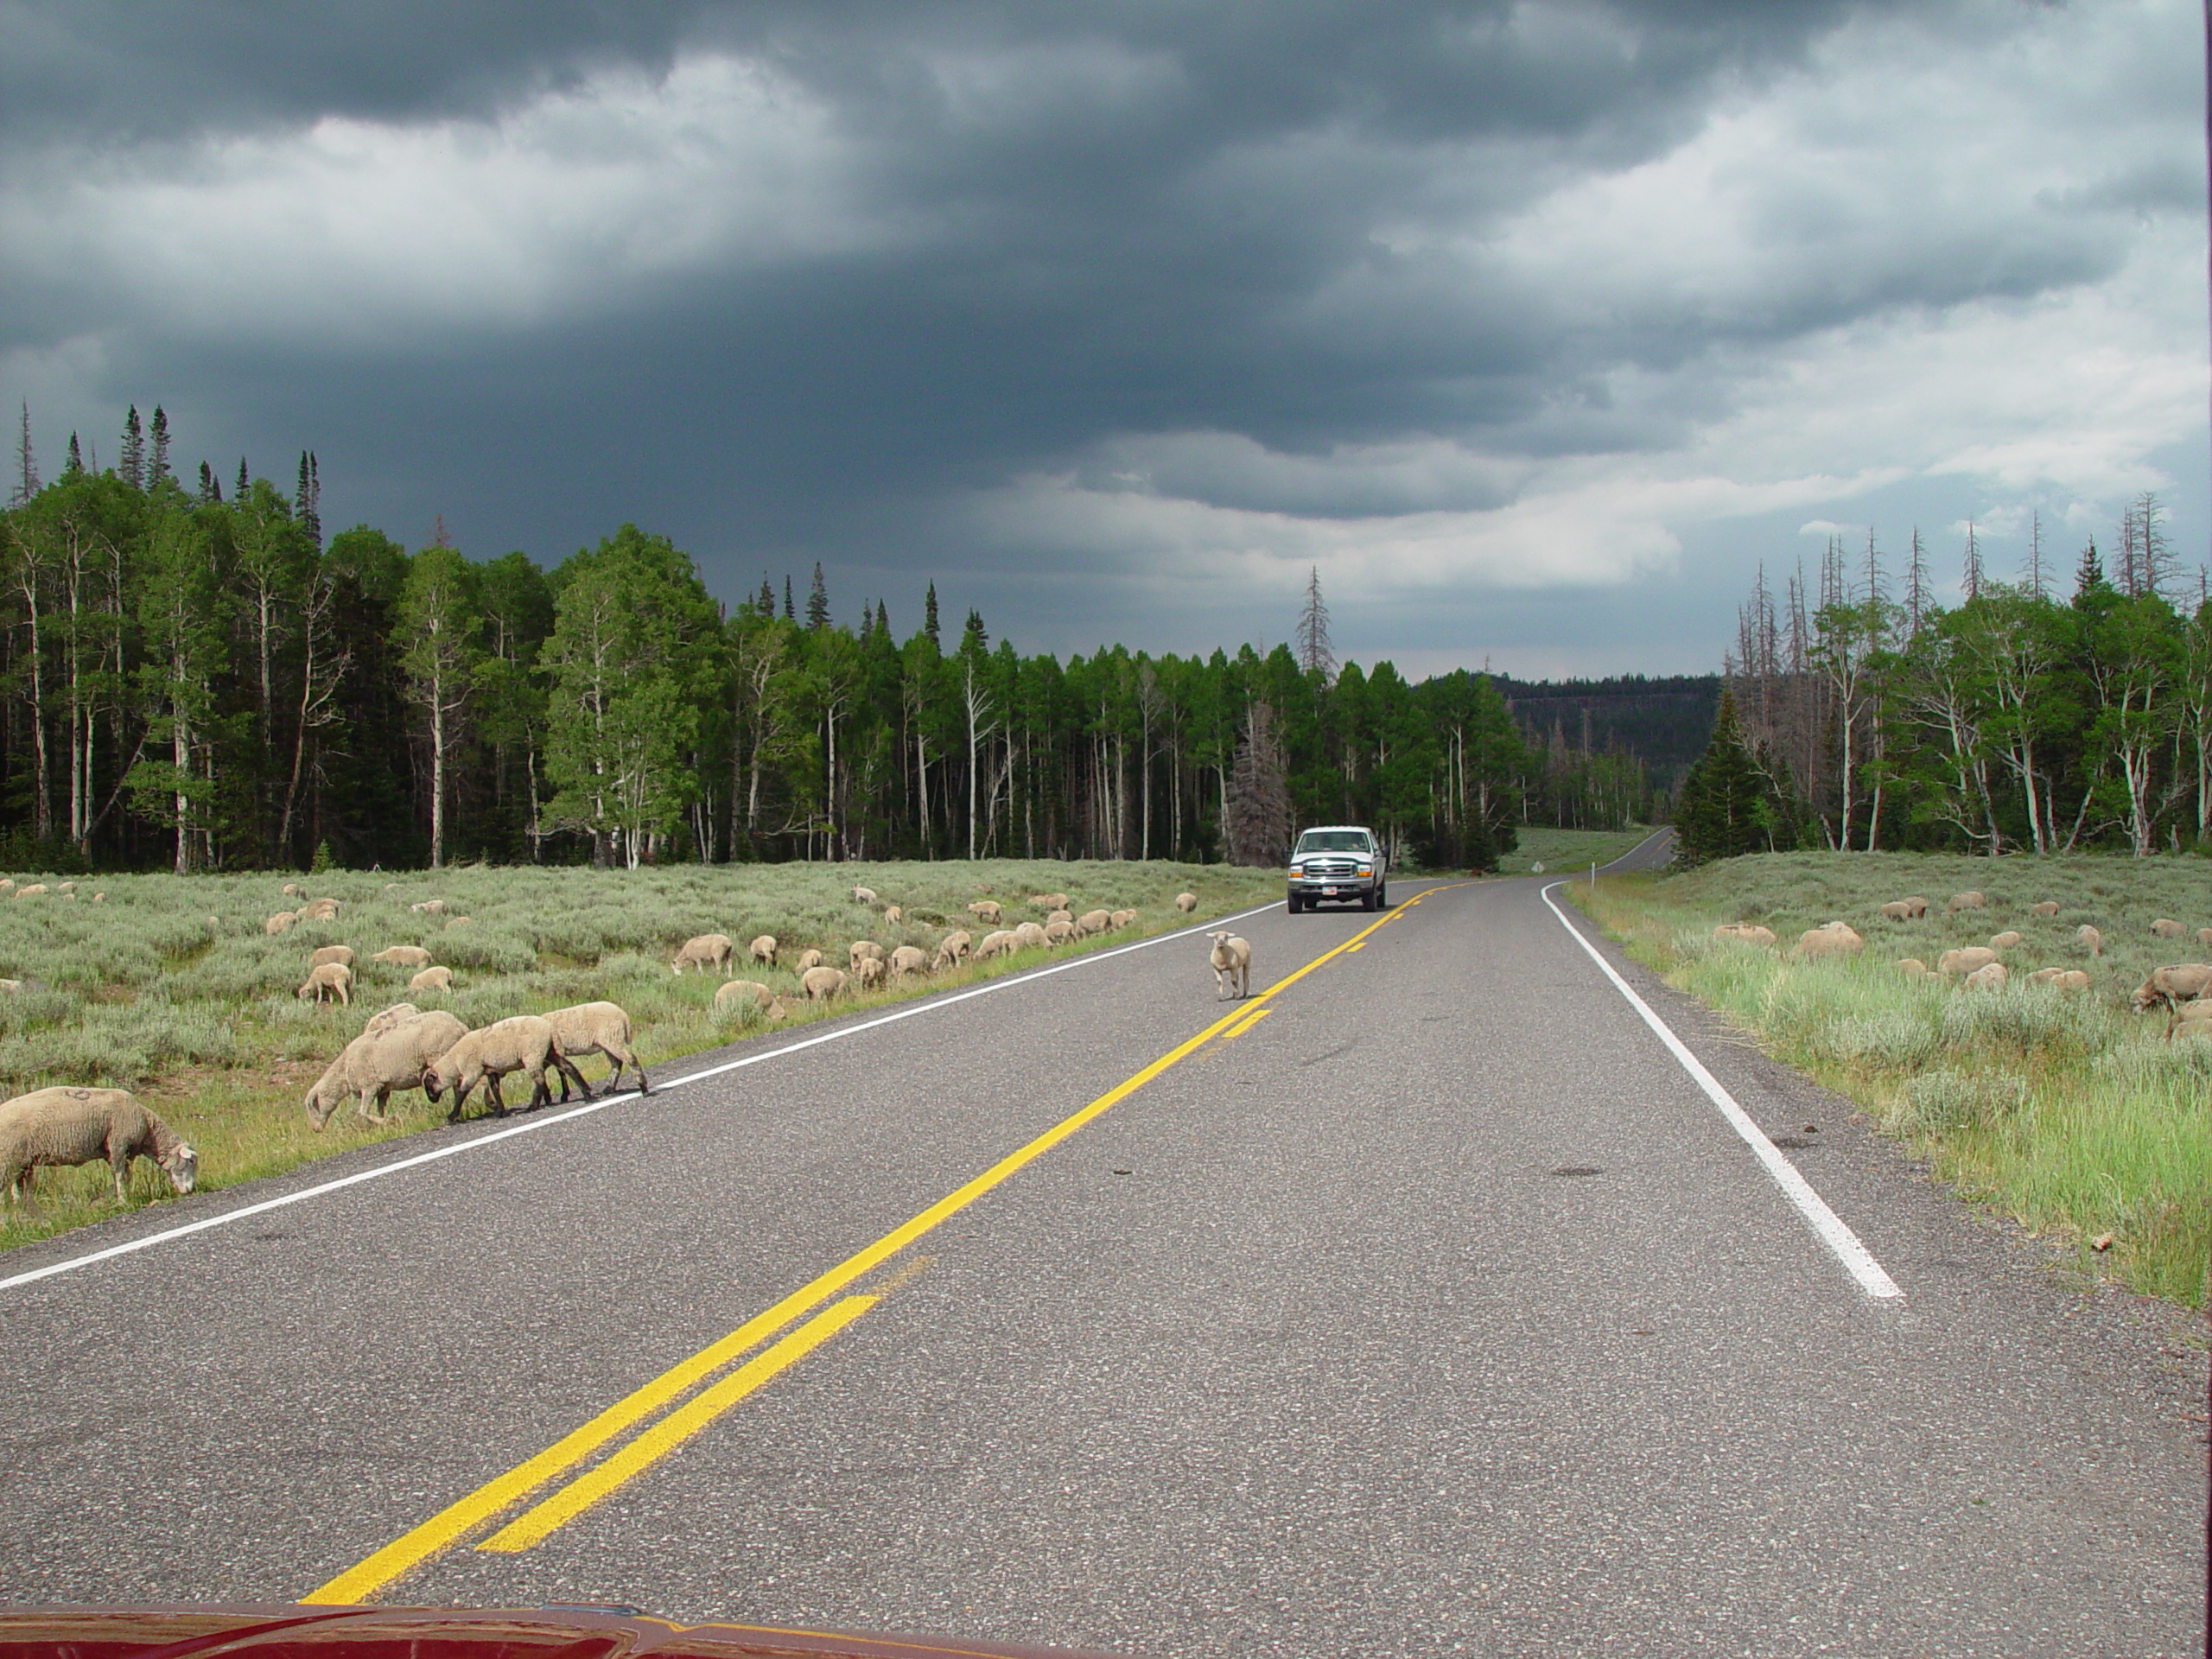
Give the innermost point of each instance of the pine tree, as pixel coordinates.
(882, 620)
(1314, 654)
(766, 603)
(26, 464)
(211, 487)
(130, 466)
(1722, 808)
(818, 601)
(929, 619)
(245, 481)
(308, 503)
(973, 636)
(790, 611)
(157, 462)
(1259, 819)
(75, 464)
(2090, 573)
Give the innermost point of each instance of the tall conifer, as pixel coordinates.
(245, 481)
(790, 611)
(131, 465)
(157, 459)
(818, 601)
(929, 617)
(26, 483)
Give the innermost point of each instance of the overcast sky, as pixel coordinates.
(1535, 326)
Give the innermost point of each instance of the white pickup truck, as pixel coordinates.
(1339, 863)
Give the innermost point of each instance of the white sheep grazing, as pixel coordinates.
(1965, 901)
(860, 950)
(11, 986)
(809, 959)
(2059, 979)
(2193, 1019)
(742, 994)
(77, 1126)
(1967, 959)
(892, 915)
(2089, 936)
(820, 984)
(864, 895)
(762, 950)
(1060, 930)
(456, 921)
(100, 898)
(402, 956)
(1121, 919)
(340, 954)
(35, 888)
(1990, 977)
(1186, 902)
(2166, 928)
(1829, 939)
(332, 979)
(1914, 967)
(7, 886)
(390, 1053)
(986, 910)
(995, 943)
(293, 890)
(1066, 915)
(68, 889)
(275, 925)
(2005, 941)
(1048, 901)
(953, 947)
(432, 979)
(706, 951)
(1745, 933)
(1027, 936)
(429, 907)
(1232, 965)
(2170, 987)
(908, 959)
(1093, 921)
(594, 1028)
(2204, 937)
(523, 1042)
(869, 971)
(1895, 911)
(2047, 909)
(319, 909)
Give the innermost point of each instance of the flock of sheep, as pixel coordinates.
(867, 965)
(2183, 989)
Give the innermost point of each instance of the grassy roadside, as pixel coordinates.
(169, 986)
(1569, 852)
(2070, 1113)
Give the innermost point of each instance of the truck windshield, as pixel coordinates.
(1332, 841)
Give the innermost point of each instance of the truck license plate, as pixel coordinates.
(1328, 893)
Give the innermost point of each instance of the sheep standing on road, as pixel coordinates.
(332, 979)
(1232, 965)
(706, 951)
(78, 1126)
(595, 1028)
(393, 1051)
(523, 1043)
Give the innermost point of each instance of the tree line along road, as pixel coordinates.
(1427, 1302)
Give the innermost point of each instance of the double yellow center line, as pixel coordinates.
(470, 1515)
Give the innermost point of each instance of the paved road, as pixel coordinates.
(1435, 1309)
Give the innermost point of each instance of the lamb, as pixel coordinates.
(1897, 910)
(1745, 933)
(1990, 977)
(1093, 921)
(340, 954)
(762, 949)
(432, 979)
(1121, 919)
(1027, 936)
(864, 895)
(429, 907)
(952, 948)
(998, 943)
(1830, 939)
(868, 970)
(820, 984)
(402, 956)
(2089, 936)
(332, 979)
(2004, 941)
(594, 1028)
(2046, 910)
(275, 925)
(2166, 928)
(743, 993)
(986, 910)
(704, 952)
(523, 1042)
(892, 915)
(391, 1052)
(810, 959)
(1186, 902)
(908, 959)
(2172, 987)
(1965, 901)
(1232, 965)
(1059, 931)
(860, 950)
(77, 1126)
(1965, 960)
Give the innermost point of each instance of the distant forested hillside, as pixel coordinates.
(1664, 721)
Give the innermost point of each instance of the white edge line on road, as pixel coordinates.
(925, 1005)
(1825, 1222)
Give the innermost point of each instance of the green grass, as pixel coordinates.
(170, 988)
(1564, 852)
(2071, 1114)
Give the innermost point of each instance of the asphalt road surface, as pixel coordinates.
(1435, 1307)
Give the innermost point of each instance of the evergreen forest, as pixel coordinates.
(196, 678)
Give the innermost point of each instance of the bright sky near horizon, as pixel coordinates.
(1535, 326)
